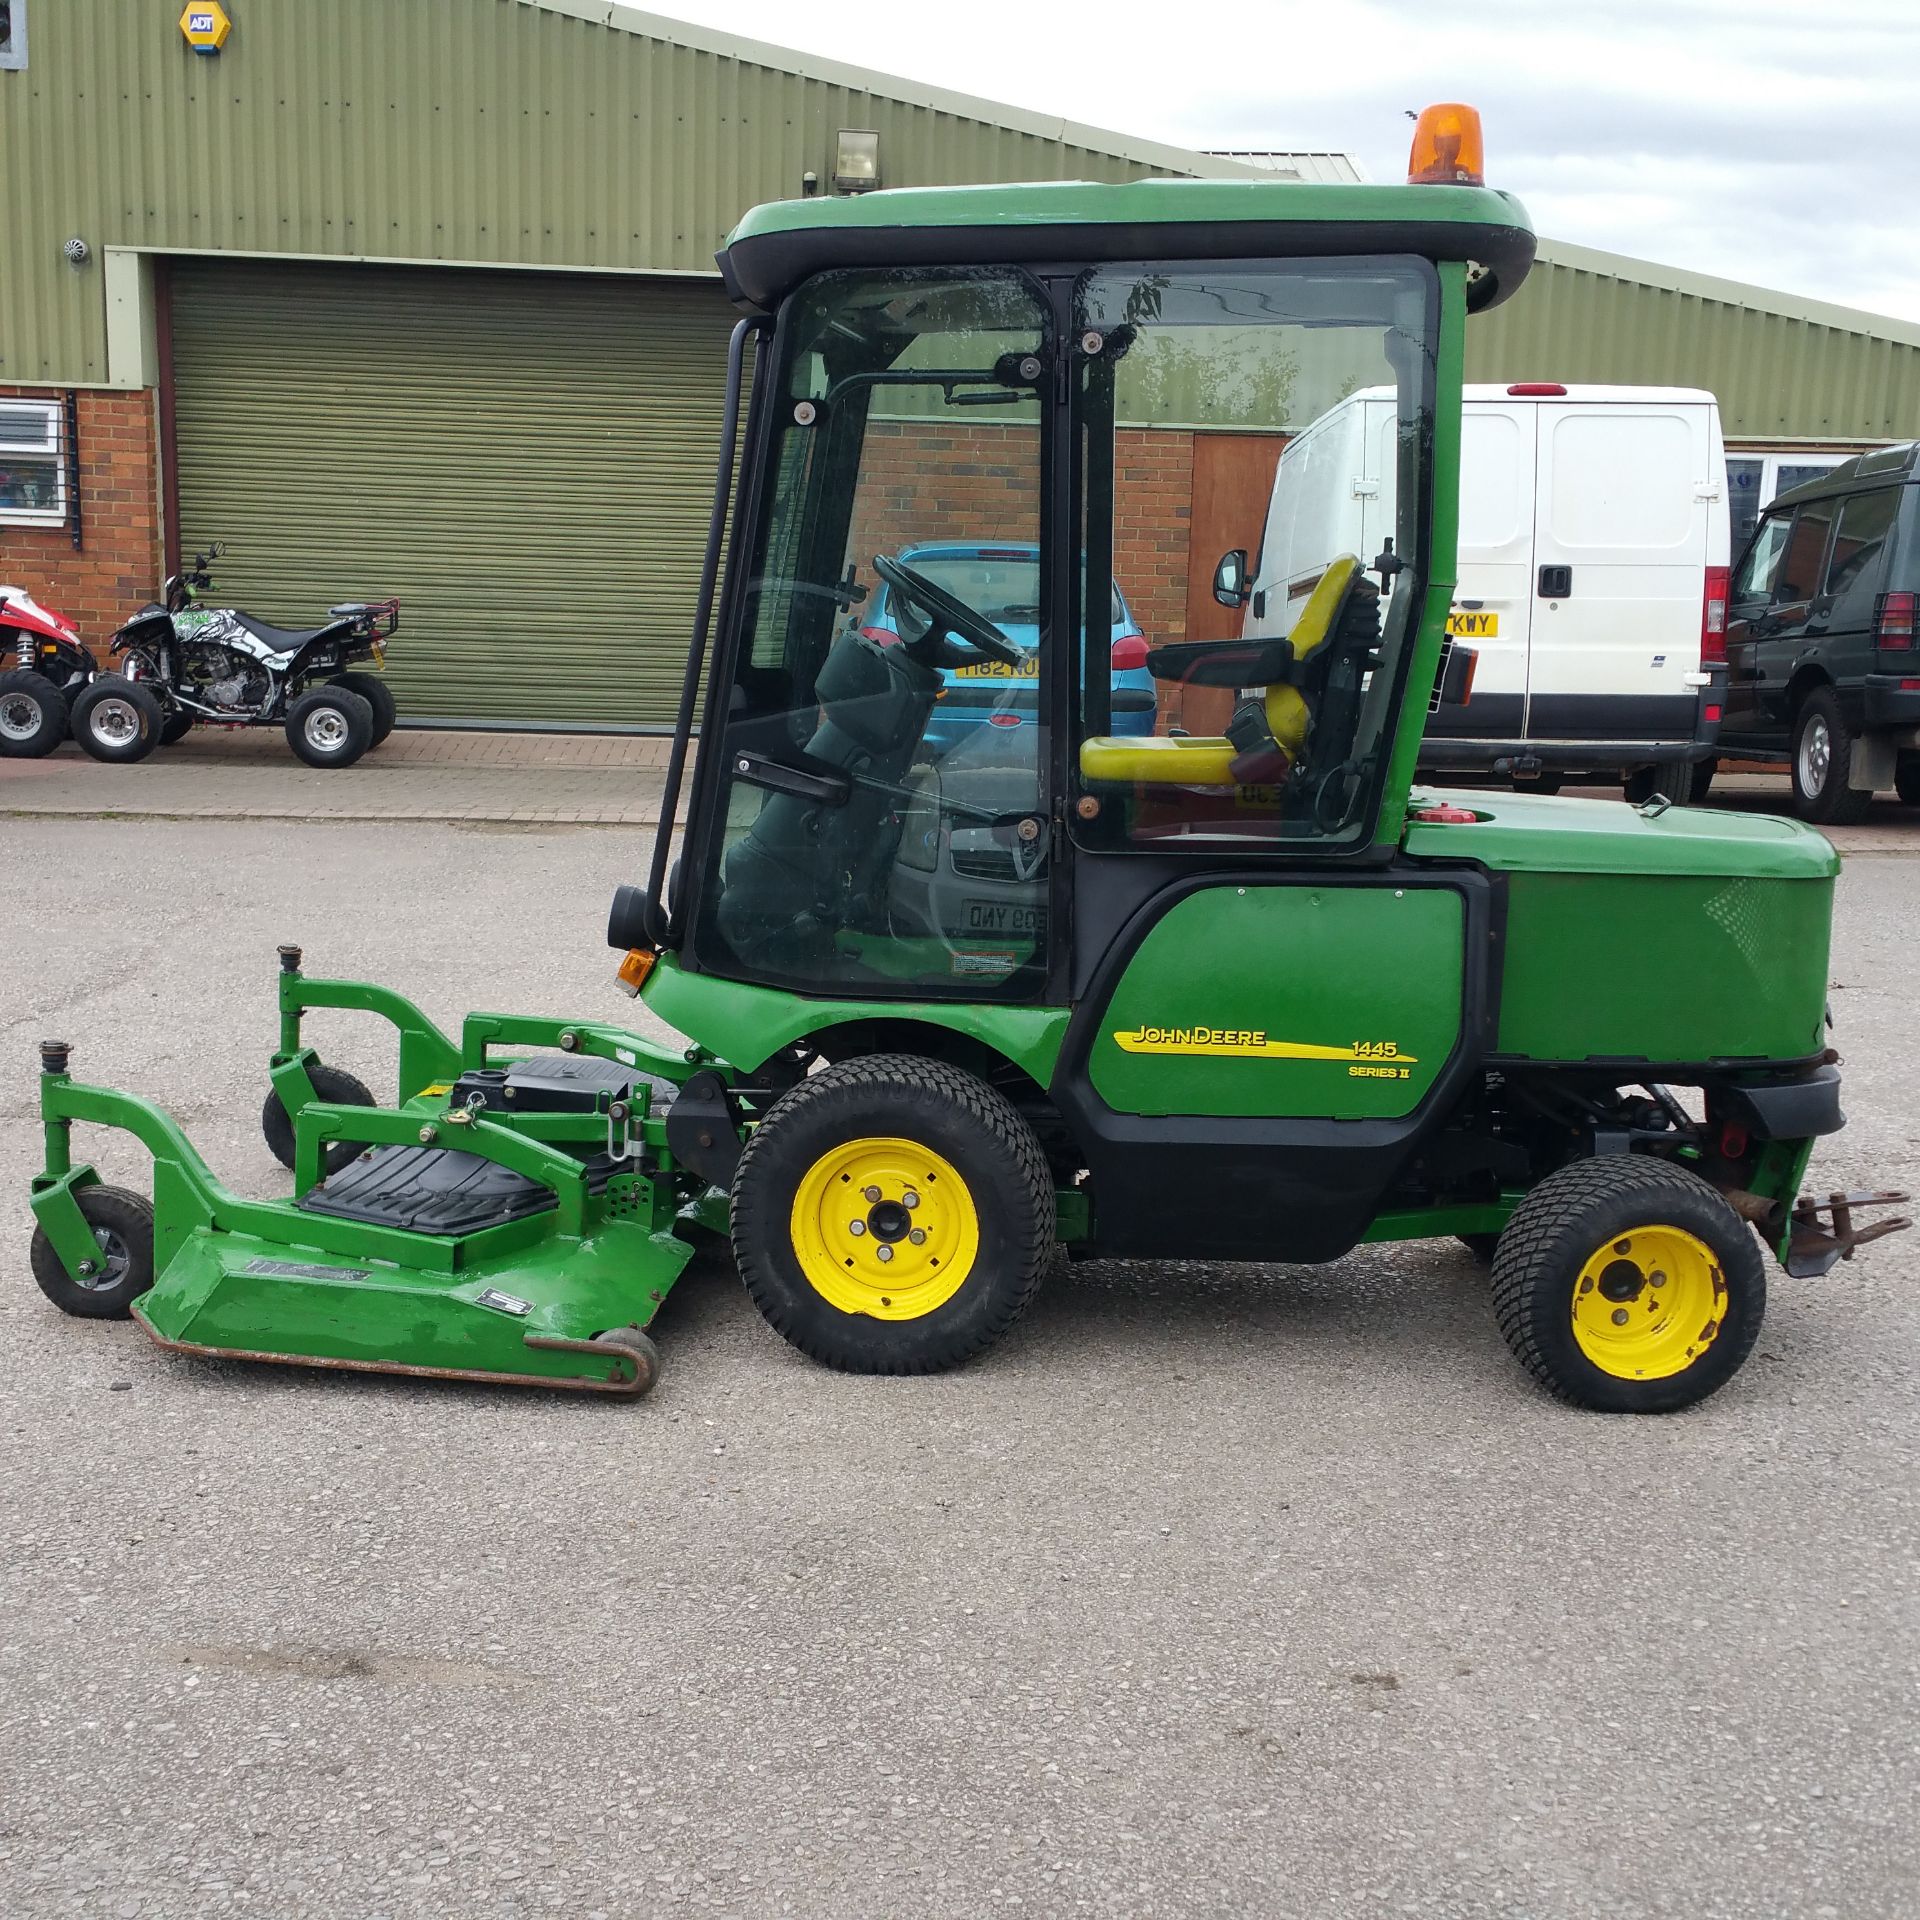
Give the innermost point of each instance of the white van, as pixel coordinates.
(1593, 570)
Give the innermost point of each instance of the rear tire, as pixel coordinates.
(122, 1223)
(175, 728)
(1906, 779)
(116, 719)
(33, 714)
(335, 1086)
(1700, 781)
(1628, 1285)
(1548, 783)
(1822, 757)
(892, 1214)
(330, 726)
(377, 694)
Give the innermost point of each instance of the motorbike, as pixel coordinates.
(51, 665)
(180, 665)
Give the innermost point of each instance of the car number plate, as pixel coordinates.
(1003, 916)
(1474, 626)
(998, 670)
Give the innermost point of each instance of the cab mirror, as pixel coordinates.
(1230, 579)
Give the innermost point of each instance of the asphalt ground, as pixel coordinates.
(1213, 1590)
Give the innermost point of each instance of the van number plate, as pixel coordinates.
(1474, 626)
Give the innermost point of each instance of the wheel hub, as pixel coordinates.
(884, 1227)
(1648, 1303)
(19, 717)
(326, 730)
(114, 722)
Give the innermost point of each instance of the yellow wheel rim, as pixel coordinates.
(885, 1228)
(1649, 1303)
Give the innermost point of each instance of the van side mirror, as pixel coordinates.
(1230, 585)
(1457, 668)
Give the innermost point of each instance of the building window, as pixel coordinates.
(13, 33)
(1755, 480)
(33, 480)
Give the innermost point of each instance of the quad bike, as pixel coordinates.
(50, 667)
(1248, 997)
(180, 665)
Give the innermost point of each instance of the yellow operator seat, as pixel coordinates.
(1201, 760)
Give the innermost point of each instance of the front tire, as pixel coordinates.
(122, 1223)
(1628, 1285)
(892, 1215)
(116, 719)
(33, 714)
(330, 726)
(377, 694)
(1822, 759)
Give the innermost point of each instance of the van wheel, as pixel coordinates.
(1822, 758)
(1906, 779)
(1700, 781)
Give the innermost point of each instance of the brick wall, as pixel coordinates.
(948, 480)
(118, 566)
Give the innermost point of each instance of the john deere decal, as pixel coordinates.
(1368, 1059)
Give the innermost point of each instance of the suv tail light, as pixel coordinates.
(1893, 620)
(1129, 653)
(1713, 618)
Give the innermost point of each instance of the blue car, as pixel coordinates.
(1002, 582)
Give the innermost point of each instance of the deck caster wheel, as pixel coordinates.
(641, 1349)
(1628, 1285)
(122, 1223)
(892, 1215)
(337, 1088)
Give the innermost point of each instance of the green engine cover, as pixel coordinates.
(1287, 1001)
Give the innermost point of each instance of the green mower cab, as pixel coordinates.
(980, 951)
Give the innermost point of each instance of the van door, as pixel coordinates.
(1620, 556)
(1493, 604)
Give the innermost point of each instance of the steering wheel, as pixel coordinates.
(947, 612)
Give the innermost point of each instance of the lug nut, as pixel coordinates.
(1657, 1279)
(1619, 1316)
(856, 1227)
(883, 1251)
(918, 1235)
(909, 1199)
(871, 1194)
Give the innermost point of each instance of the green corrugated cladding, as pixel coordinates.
(1776, 377)
(525, 460)
(480, 131)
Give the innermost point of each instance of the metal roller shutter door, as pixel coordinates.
(525, 459)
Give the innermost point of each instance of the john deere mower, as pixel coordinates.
(957, 997)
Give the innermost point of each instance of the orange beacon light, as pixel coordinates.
(1448, 150)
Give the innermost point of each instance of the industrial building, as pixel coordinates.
(417, 297)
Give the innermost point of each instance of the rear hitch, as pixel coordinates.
(1824, 1233)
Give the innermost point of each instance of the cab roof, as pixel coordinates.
(780, 244)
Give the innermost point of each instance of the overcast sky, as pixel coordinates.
(1772, 141)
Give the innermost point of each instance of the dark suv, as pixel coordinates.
(1823, 669)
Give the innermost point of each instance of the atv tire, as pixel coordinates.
(1628, 1285)
(116, 719)
(337, 1088)
(175, 728)
(892, 1214)
(330, 726)
(33, 714)
(122, 1222)
(377, 694)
